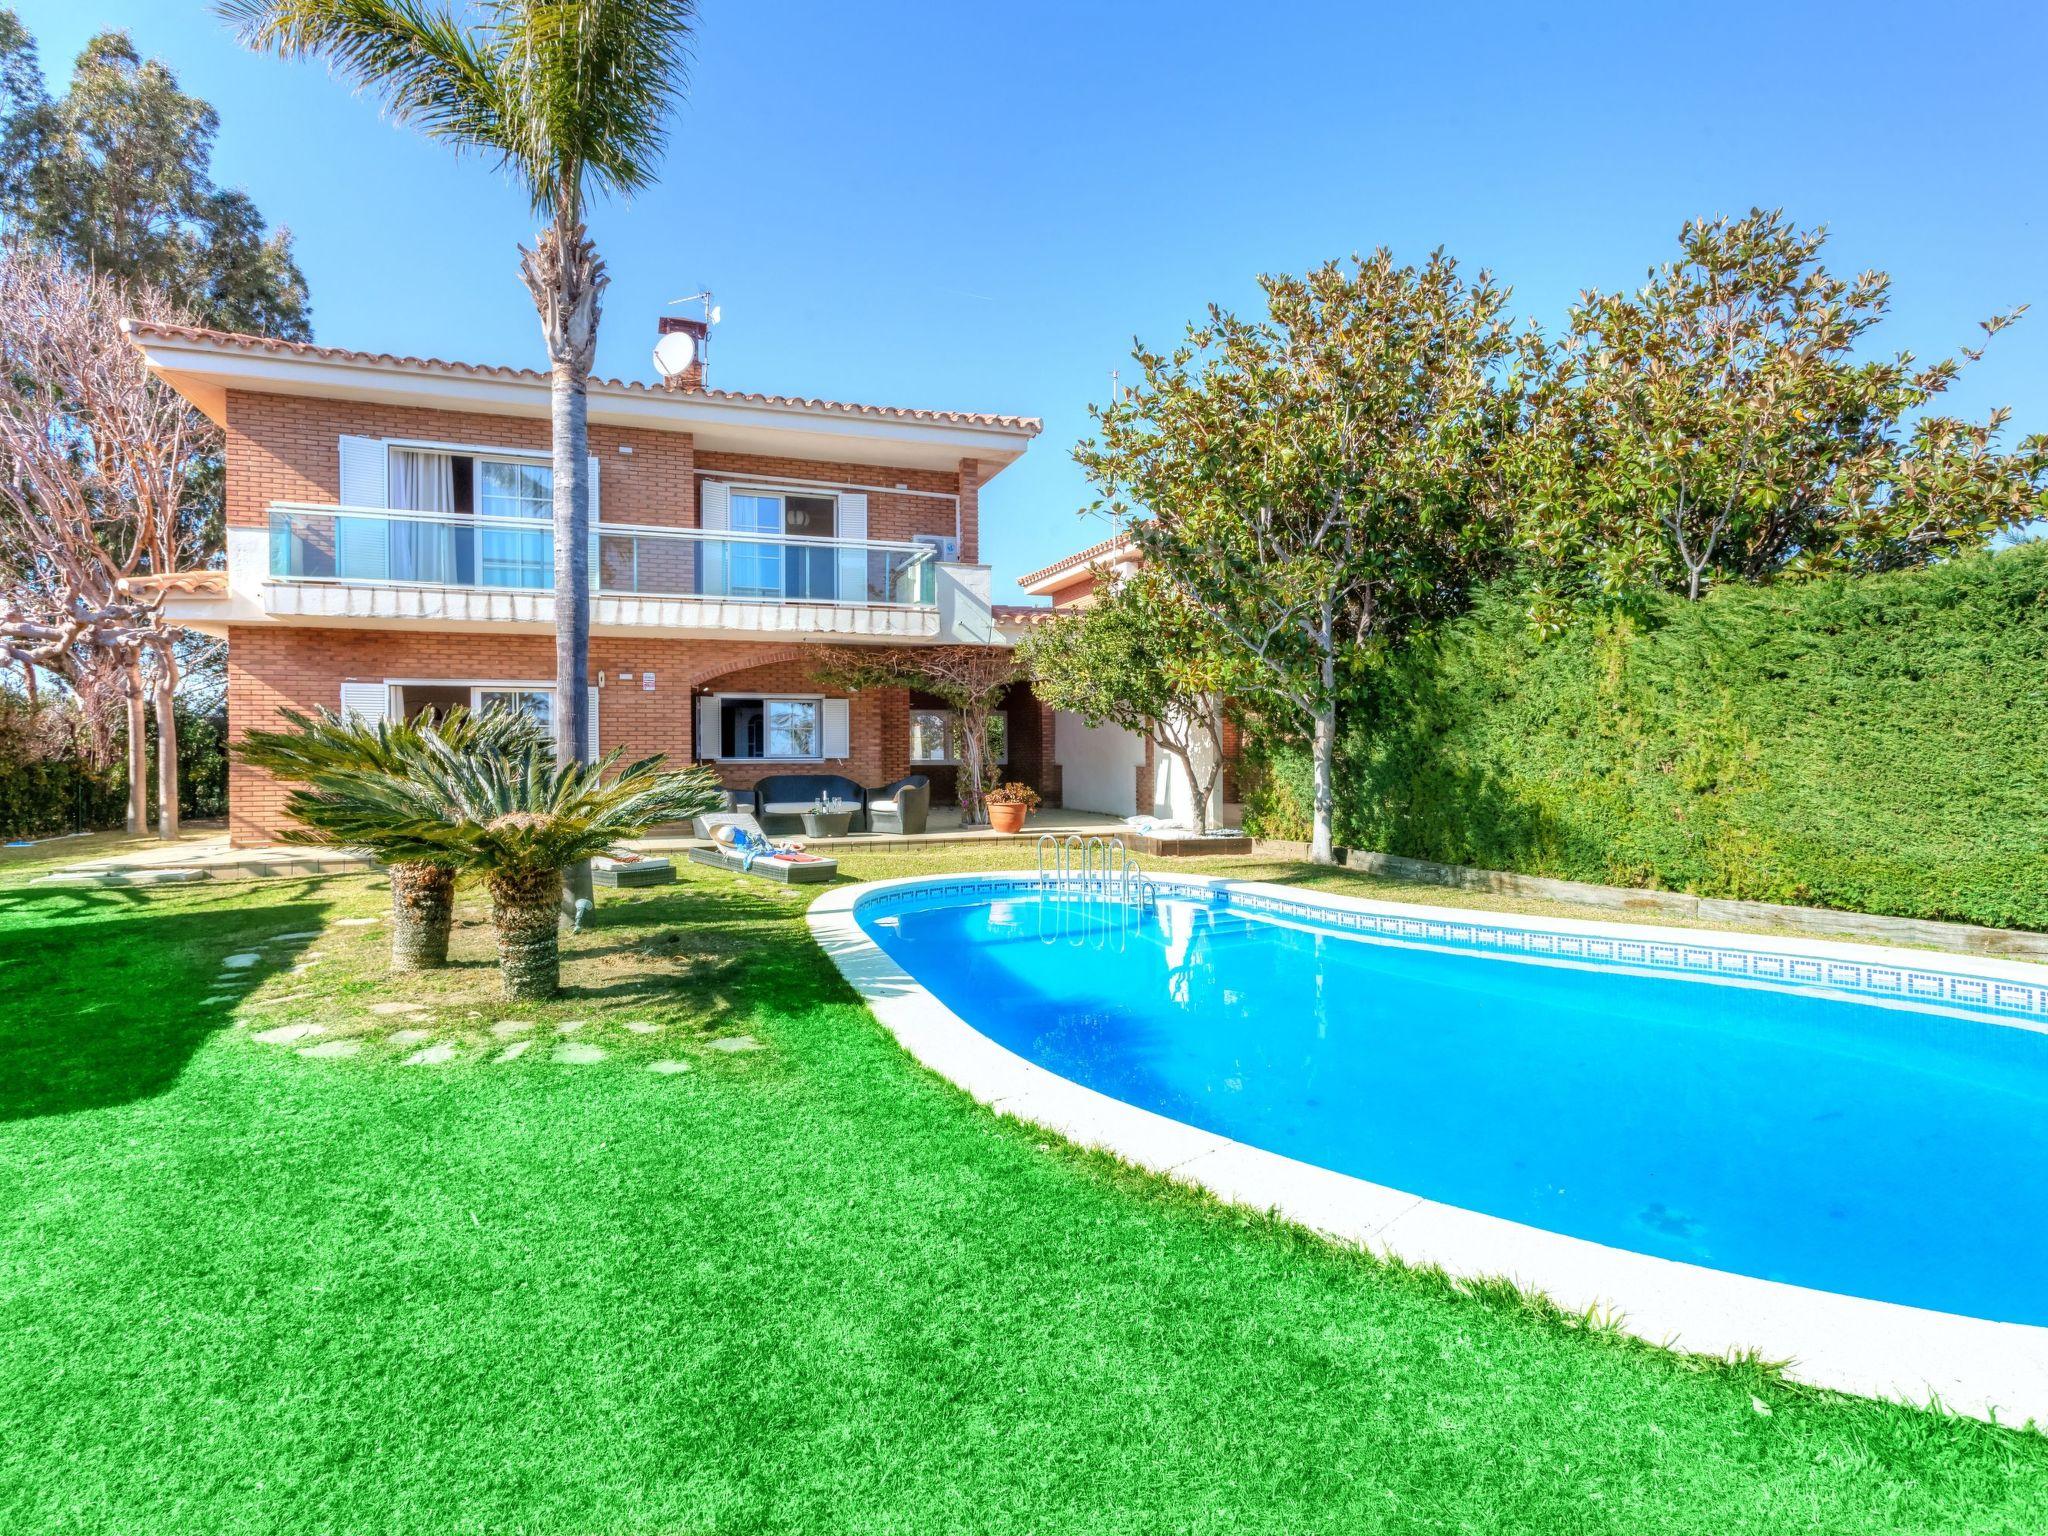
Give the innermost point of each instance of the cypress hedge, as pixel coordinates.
(1876, 744)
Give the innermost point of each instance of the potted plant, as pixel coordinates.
(829, 817)
(1009, 804)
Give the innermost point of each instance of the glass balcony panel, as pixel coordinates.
(505, 554)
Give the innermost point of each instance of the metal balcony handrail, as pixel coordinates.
(652, 530)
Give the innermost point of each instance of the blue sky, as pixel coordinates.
(977, 206)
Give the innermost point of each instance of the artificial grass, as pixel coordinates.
(805, 1288)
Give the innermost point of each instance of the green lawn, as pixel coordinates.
(803, 1288)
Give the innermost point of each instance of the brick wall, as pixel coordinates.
(286, 448)
(272, 666)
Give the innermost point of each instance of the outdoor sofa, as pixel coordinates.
(784, 797)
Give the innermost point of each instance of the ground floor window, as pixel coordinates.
(769, 729)
(935, 736)
(537, 702)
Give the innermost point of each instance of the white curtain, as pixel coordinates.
(422, 482)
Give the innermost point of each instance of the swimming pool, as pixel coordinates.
(1841, 1119)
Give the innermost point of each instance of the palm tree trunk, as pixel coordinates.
(567, 281)
(422, 912)
(526, 911)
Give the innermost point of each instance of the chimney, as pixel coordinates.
(689, 374)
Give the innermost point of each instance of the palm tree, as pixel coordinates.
(422, 889)
(516, 821)
(571, 97)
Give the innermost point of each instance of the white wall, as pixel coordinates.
(1098, 765)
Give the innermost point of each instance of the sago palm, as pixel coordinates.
(422, 889)
(516, 822)
(571, 97)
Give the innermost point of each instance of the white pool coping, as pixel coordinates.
(1849, 1343)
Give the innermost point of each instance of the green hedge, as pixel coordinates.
(1879, 745)
(43, 795)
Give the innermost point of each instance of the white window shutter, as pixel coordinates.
(365, 472)
(367, 702)
(707, 728)
(853, 563)
(590, 723)
(838, 731)
(592, 479)
(714, 506)
(714, 513)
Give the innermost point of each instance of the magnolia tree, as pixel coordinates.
(1145, 658)
(1320, 483)
(969, 679)
(96, 461)
(1722, 422)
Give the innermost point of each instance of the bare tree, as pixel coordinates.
(94, 461)
(969, 678)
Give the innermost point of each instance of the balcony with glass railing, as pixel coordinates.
(364, 547)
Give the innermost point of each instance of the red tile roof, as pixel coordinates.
(1021, 613)
(147, 328)
(1094, 551)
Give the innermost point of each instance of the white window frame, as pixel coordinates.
(815, 700)
(479, 687)
(951, 726)
(778, 551)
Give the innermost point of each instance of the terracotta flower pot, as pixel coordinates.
(1006, 816)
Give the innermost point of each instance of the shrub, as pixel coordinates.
(1877, 744)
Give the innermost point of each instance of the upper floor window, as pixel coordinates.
(515, 488)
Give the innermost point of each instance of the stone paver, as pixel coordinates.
(514, 1051)
(328, 1049)
(398, 1008)
(410, 1036)
(668, 1068)
(293, 938)
(734, 1043)
(642, 1027)
(285, 1034)
(354, 922)
(570, 1026)
(432, 1056)
(243, 961)
(578, 1054)
(505, 1029)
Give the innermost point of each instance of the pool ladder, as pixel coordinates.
(1094, 866)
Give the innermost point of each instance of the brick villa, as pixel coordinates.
(388, 551)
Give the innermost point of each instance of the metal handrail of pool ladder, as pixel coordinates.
(1104, 864)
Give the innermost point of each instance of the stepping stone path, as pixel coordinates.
(241, 962)
(291, 938)
(354, 922)
(432, 1056)
(668, 1068)
(410, 1036)
(285, 1034)
(388, 1008)
(570, 1026)
(577, 1054)
(505, 1029)
(734, 1043)
(642, 1027)
(514, 1051)
(328, 1049)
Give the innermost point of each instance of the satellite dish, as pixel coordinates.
(674, 353)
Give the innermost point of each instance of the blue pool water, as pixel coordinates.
(1878, 1151)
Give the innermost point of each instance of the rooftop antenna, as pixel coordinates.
(686, 341)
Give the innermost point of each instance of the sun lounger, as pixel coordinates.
(739, 844)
